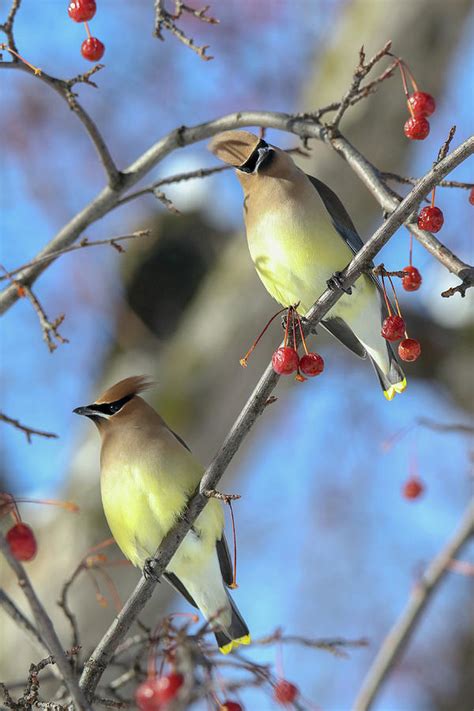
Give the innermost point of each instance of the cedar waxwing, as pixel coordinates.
(147, 476)
(300, 235)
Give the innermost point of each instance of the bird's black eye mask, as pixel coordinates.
(111, 408)
(261, 156)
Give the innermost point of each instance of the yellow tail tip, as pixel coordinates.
(394, 389)
(226, 648)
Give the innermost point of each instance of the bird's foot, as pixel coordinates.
(149, 570)
(289, 313)
(335, 283)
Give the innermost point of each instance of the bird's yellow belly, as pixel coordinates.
(294, 261)
(140, 512)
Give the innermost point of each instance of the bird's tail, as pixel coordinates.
(394, 381)
(235, 633)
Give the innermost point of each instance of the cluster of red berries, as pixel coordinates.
(83, 11)
(420, 105)
(286, 360)
(155, 692)
(393, 327)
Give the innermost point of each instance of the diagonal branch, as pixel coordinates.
(45, 629)
(23, 623)
(404, 627)
(166, 20)
(254, 407)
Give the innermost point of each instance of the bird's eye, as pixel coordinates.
(115, 407)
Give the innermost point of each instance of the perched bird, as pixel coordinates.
(147, 477)
(299, 236)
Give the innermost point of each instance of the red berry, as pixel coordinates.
(231, 706)
(22, 542)
(471, 196)
(393, 328)
(285, 360)
(155, 692)
(413, 488)
(416, 128)
(409, 349)
(285, 692)
(311, 364)
(92, 49)
(82, 10)
(412, 279)
(421, 104)
(430, 218)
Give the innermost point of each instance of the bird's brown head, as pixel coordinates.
(243, 150)
(116, 401)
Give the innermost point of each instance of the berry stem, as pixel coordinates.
(233, 584)
(303, 339)
(395, 296)
(86, 25)
(285, 340)
(412, 78)
(433, 197)
(36, 70)
(387, 302)
(411, 250)
(243, 361)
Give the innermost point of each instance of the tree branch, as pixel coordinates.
(404, 627)
(28, 431)
(112, 241)
(45, 629)
(63, 88)
(167, 20)
(107, 199)
(254, 407)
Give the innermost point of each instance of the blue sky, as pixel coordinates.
(337, 531)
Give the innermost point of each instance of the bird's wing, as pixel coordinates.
(225, 561)
(341, 220)
(343, 332)
(176, 583)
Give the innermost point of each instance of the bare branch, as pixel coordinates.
(49, 328)
(28, 431)
(404, 627)
(63, 88)
(336, 646)
(361, 71)
(45, 628)
(167, 20)
(108, 198)
(111, 241)
(7, 26)
(254, 407)
(457, 428)
(413, 181)
(23, 623)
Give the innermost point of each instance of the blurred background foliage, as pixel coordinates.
(327, 544)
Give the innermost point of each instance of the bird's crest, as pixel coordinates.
(234, 147)
(125, 388)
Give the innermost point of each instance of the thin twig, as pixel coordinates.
(361, 71)
(400, 634)
(45, 628)
(336, 646)
(254, 407)
(457, 428)
(63, 88)
(112, 241)
(28, 431)
(167, 20)
(412, 181)
(7, 26)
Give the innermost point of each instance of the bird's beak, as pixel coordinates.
(85, 411)
(256, 160)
